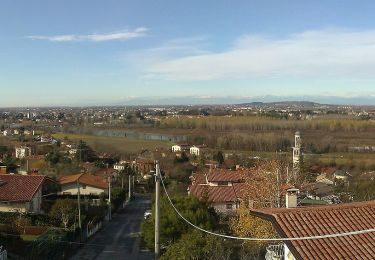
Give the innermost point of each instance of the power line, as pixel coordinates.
(365, 231)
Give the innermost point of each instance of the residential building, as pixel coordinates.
(22, 193)
(87, 184)
(319, 221)
(119, 166)
(3, 169)
(197, 149)
(341, 175)
(73, 151)
(194, 150)
(22, 152)
(46, 139)
(224, 189)
(180, 147)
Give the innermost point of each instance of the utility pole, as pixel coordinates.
(130, 186)
(79, 205)
(157, 210)
(133, 178)
(109, 199)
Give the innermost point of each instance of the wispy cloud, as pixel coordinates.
(112, 36)
(322, 53)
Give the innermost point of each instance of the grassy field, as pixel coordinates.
(359, 159)
(114, 145)
(29, 237)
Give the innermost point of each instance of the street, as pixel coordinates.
(120, 238)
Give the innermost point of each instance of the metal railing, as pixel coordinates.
(275, 252)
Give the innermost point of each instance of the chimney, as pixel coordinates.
(291, 198)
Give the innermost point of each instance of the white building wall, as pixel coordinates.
(22, 152)
(194, 150)
(35, 203)
(221, 208)
(288, 254)
(14, 207)
(71, 188)
(119, 167)
(176, 148)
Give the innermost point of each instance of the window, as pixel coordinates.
(229, 206)
(83, 186)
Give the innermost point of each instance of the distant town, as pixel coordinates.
(71, 177)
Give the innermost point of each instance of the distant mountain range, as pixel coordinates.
(230, 100)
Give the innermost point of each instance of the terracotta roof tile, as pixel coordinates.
(85, 178)
(19, 187)
(215, 175)
(240, 189)
(198, 178)
(216, 194)
(313, 221)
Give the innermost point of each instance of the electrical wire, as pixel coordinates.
(365, 231)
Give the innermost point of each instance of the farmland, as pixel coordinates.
(113, 145)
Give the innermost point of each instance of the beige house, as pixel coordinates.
(88, 184)
(21, 193)
(22, 152)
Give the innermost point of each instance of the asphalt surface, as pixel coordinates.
(120, 238)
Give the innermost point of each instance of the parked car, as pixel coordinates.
(147, 214)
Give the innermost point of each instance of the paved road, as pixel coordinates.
(120, 238)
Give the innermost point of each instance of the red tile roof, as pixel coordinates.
(215, 175)
(323, 220)
(86, 179)
(240, 189)
(19, 187)
(198, 178)
(216, 194)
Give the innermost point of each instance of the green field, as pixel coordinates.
(114, 145)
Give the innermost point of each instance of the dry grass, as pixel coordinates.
(114, 145)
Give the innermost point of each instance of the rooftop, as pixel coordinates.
(215, 194)
(85, 178)
(324, 220)
(19, 187)
(215, 175)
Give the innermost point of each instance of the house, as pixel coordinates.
(22, 152)
(341, 175)
(87, 166)
(323, 220)
(222, 199)
(222, 177)
(196, 150)
(46, 139)
(88, 184)
(224, 189)
(212, 164)
(6, 132)
(143, 166)
(27, 132)
(180, 147)
(22, 193)
(3, 169)
(119, 166)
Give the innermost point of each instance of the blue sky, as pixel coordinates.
(109, 52)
